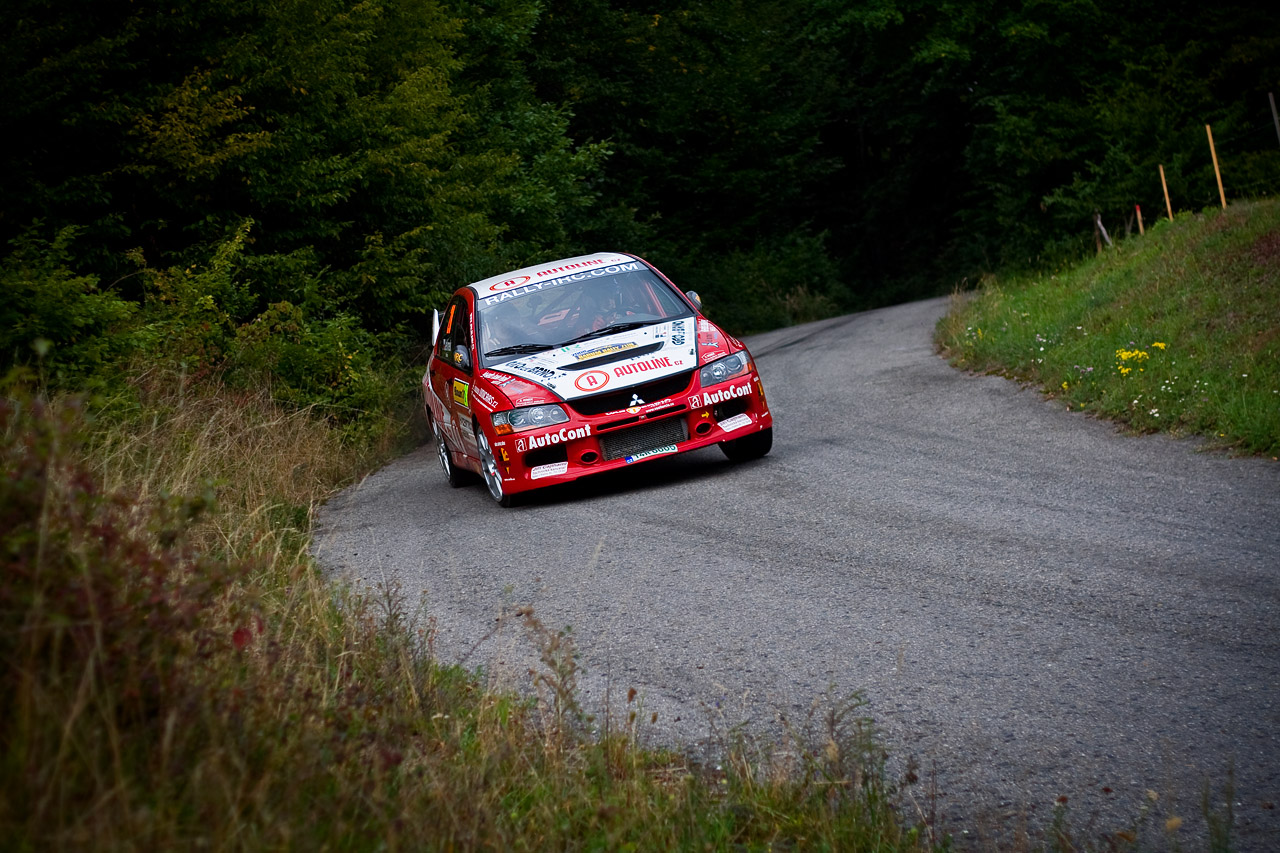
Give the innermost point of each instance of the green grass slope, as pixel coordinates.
(1175, 331)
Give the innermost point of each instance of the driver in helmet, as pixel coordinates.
(500, 329)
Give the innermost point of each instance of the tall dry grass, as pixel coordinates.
(179, 675)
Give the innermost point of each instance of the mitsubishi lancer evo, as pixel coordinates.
(566, 369)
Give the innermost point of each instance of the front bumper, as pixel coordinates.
(594, 443)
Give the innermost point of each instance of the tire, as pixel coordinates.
(452, 473)
(749, 446)
(489, 471)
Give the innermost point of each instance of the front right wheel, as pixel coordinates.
(749, 446)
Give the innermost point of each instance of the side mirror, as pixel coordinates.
(694, 298)
(462, 358)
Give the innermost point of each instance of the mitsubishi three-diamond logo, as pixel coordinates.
(635, 401)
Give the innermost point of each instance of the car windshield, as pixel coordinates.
(580, 306)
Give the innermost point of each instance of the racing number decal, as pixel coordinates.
(592, 380)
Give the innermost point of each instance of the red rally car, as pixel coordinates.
(588, 364)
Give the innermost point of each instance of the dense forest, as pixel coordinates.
(287, 188)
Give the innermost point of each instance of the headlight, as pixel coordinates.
(724, 369)
(531, 417)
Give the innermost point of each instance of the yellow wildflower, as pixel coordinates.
(1159, 344)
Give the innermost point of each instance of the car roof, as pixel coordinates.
(546, 272)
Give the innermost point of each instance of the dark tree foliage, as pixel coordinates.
(197, 167)
(371, 170)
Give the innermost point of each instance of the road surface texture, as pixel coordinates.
(1033, 604)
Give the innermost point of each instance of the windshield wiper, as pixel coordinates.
(519, 349)
(606, 331)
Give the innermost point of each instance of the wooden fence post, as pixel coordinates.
(1276, 118)
(1217, 174)
(1141, 231)
(1099, 228)
(1165, 184)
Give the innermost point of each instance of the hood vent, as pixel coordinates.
(610, 358)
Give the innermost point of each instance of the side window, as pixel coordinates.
(455, 341)
(444, 345)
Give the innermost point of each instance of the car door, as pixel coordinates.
(451, 379)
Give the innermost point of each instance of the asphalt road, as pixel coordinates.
(1034, 604)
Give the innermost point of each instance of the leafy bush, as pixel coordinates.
(51, 315)
(331, 363)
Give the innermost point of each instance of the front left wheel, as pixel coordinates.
(489, 470)
(456, 476)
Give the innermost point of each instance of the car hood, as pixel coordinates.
(611, 363)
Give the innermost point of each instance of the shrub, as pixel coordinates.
(50, 314)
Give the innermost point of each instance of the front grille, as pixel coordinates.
(649, 436)
(650, 392)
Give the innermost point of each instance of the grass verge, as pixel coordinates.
(178, 675)
(1177, 331)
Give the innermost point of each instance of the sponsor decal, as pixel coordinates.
(657, 451)
(485, 397)
(592, 380)
(535, 369)
(512, 291)
(461, 392)
(733, 392)
(645, 366)
(555, 469)
(605, 350)
(519, 445)
(562, 435)
(705, 327)
(735, 422)
(497, 378)
(677, 333)
(664, 403)
(511, 282)
(695, 401)
(588, 263)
